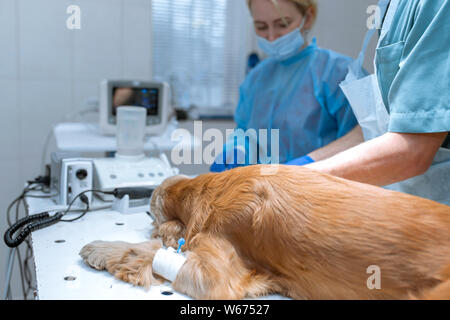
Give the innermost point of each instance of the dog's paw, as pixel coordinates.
(128, 262)
(135, 265)
(92, 255)
(99, 254)
(170, 232)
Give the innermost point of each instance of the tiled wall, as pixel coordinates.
(47, 70)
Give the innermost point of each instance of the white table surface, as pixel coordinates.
(55, 261)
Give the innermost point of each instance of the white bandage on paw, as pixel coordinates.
(167, 263)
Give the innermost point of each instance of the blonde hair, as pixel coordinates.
(302, 6)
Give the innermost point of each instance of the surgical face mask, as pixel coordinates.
(285, 46)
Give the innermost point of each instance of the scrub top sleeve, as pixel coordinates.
(418, 98)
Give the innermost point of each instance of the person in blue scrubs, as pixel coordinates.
(407, 148)
(295, 89)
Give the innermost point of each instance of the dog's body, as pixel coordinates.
(298, 232)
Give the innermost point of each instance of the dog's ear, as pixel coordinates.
(167, 183)
(157, 210)
(166, 198)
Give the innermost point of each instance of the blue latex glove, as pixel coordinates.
(300, 161)
(215, 167)
(226, 163)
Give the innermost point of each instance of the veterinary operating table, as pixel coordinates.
(61, 274)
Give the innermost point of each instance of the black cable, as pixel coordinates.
(27, 268)
(8, 211)
(23, 267)
(42, 180)
(28, 256)
(38, 185)
(29, 274)
(8, 217)
(84, 199)
(39, 197)
(19, 198)
(21, 272)
(18, 251)
(26, 274)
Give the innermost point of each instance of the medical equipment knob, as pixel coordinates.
(81, 174)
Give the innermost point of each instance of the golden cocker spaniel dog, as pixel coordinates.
(299, 233)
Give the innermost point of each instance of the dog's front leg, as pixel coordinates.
(214, 270)
(170, 232)
(128, 262)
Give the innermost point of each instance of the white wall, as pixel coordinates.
(47, 70)
(342, 25)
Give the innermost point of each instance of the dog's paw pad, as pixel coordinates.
(93, 255)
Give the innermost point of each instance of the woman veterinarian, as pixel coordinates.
(296, 89)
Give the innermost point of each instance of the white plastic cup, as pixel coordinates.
(131, 123)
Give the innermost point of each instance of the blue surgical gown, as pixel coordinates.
(413, 62)
(301, 97)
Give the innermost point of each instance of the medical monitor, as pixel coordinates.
(153, 96)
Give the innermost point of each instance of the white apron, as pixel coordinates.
(365, 97)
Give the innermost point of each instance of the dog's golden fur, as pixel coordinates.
(300, 233)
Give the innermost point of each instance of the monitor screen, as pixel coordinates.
(140, 97)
